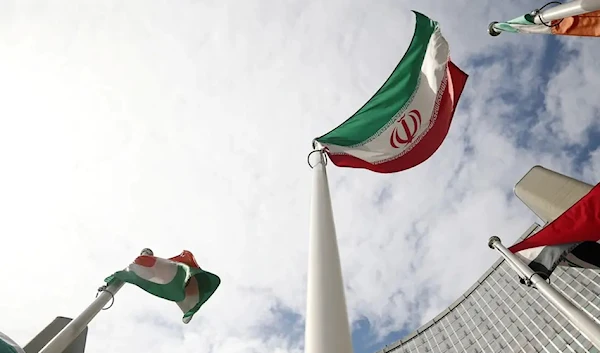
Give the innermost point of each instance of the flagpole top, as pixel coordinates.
(147, 251)
(492, 31)
(493, 240)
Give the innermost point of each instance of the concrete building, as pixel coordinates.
(498, 313)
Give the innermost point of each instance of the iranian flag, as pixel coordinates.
(572, 239)
(407, 120)
(177, 279)
(7, 345)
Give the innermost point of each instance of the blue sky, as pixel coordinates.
(363, 341)
(187, 126)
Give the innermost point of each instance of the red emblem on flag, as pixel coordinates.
(405, 132)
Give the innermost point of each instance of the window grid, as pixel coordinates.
(534, 336)
(455, 335)
(531, 314)
(525, 320)
(414, 341)
(474, 325)
(578, 293)
(532, 320)
(561, 330)
(430, 339)
(433, 336)
(558, 318)
(589, 304)
(500, 321)
(585, 281)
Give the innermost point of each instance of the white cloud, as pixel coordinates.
(172, 126)
(574, 114)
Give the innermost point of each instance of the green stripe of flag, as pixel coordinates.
(391, 97)
(174, 290)
(516, 24)
(207, 285)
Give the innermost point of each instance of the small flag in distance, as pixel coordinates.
(572, 239)
(179, 279)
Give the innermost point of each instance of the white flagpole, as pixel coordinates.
(327, 329)
(68, 334)
(579, 319)
(569, 9)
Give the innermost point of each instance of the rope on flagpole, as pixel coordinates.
(536, 12)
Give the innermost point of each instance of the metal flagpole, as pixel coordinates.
(327, 329)
(579, 319)
(571, 8)
(68, 334)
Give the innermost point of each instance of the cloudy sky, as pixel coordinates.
(186, 125)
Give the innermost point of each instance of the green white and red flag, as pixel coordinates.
(407, 120)
(177, 279)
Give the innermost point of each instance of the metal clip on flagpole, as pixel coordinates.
(68, 334)
(579, 319)
(327, 329)
(569, 9)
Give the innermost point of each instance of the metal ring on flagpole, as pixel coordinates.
(112, 296)
(541, 274)
(492, 31)
(536, 12)
(324, 156)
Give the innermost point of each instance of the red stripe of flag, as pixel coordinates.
(581, 222)
(430, 142)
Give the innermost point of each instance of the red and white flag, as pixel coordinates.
(572, 239)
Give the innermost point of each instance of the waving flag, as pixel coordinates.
(587, 24)
(406, 121)
(572, 239)
(177, 279)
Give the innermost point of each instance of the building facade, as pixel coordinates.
(498, 313)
